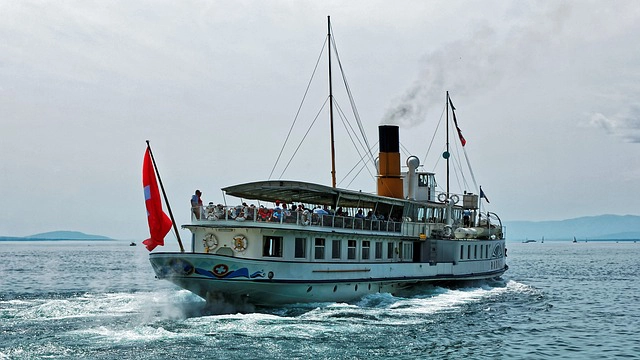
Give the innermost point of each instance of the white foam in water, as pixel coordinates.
(520, 287)
(447, 300)
(140, 333)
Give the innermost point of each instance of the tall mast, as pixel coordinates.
(447, 151)
(333, 149)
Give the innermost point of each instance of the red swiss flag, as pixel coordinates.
(159, 222)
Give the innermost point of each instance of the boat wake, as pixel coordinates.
(93, 321)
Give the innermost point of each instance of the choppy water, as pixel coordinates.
(63, 300)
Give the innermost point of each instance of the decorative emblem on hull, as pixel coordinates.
(222, 271)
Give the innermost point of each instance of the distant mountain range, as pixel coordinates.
(614, 227)
(57, 235)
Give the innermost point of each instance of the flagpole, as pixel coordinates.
(166, 200)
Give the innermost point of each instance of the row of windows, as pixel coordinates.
(273, 247)
(473, 253)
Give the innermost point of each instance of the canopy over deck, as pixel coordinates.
(302, 192)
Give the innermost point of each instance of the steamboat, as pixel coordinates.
(307, 242)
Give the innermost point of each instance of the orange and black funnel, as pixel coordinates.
(389, 177)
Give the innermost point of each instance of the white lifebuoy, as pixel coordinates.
(448, 231)
(442, 197)
(454, 198)
(210, 242)
(240, 218)
(240, 243)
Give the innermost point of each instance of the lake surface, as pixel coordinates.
(100, 300)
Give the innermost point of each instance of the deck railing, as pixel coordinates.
(211, 213)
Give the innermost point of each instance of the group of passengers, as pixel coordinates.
(281, 212)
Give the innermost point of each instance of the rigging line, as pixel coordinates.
(358, 173)
(299, 108)
(351, 127)
(304, 137)
(434, 134)
(347, 125)
(457, 171)
(348, 128)
(357, 150)
(458, 164)
(404, 149)
(473, 178)
(362, 157)
(364, 164)
(351, 100)
(458, 144)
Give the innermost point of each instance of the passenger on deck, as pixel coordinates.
(466, 215)
(277, 212)
(196, 205)
(360, 214)
(251, 212)
(263, 214)
(320, 211)
(371, 216)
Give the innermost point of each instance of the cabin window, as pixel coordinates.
(300, 248)
(335, 249)
(407, 251)
(468, 251)
(366, 249)
(390, 250)
(379, 250)
(351, 249)
(319, 249)
(272, 246)
(486, 252)
(475, 251)
(461, 252)
(481, 249)
(423, 180)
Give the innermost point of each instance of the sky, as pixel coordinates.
(547, 95)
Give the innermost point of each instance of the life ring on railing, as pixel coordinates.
(454, 198)
(304, 219)
(448, 231)
(442, 197)
(240, 243)
(240, 218)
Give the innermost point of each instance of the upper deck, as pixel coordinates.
(300, 205)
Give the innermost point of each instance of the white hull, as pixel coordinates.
(268, 282)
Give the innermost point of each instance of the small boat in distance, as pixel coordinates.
(575, 240)
(290, 241)
(528, 241)
(132, 244)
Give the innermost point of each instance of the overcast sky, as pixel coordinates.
(547, 96)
